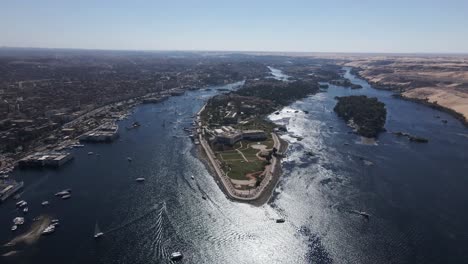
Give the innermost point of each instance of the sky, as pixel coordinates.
(397, 26)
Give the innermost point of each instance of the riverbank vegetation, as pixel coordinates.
(279, 92)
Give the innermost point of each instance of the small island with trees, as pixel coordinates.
(366, 115)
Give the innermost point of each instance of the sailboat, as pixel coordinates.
(97, 232)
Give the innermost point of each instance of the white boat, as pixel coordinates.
(48, 230)
(18, 220)
(25, 210)
(21, 203)
(129, 159)
(97, 231)
(66, 196)
(62, 193)
(193, 177)
(90, 153)
(14, 227)
(140, 179)
(176, 256)
(44, 203)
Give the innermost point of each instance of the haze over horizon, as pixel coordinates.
(296, 26)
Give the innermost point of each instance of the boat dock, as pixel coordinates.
(8, 188)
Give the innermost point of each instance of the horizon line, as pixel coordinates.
(242, 51)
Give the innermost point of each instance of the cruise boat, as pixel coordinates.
(176, 256)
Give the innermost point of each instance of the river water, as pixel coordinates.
(415, 193)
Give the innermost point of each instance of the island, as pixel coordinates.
(366, 115)
(345, 83)
(241, 145)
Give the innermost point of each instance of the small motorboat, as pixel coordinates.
(129, 159)
(90, 153)
(14, 227)
(45, 203)
(140, 179)
(364, 214)
(66, 196)
(193, 177)
(203, 197)
(25, 210)
(361, 213)
(97, 232)
(176, 256)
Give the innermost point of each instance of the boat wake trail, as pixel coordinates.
(156, 245)
(141, 217)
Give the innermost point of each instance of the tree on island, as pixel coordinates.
(368, 115)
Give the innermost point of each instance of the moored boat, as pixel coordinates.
(18, 220)
(21, 203)
(48, 230)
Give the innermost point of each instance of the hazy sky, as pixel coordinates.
(255, 25)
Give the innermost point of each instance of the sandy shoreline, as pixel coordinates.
(421, 96)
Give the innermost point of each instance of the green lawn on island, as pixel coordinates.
(234, 164)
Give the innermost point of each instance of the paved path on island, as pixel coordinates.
(242, 154)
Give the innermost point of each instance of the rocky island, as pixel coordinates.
(366, 115)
